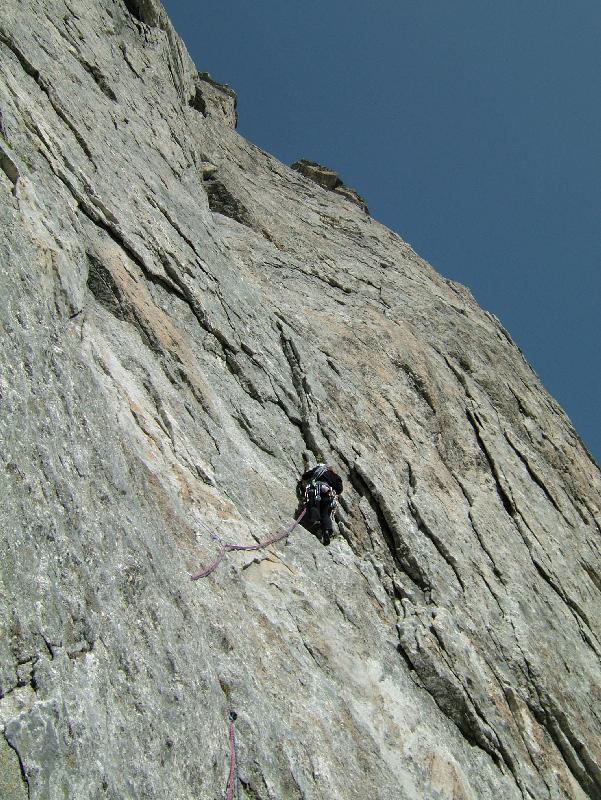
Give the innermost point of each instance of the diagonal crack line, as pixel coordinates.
(98, 78)
(497, 750)
(525, 739)
(535, 477)
(126, 246)
(575, 754)
(477, 533)
(463, 712)
(495, 569)
(577, 612)
(594, 514)
(398, 548)
(24, 776)
(34, 73)
(439, 545)
(298, 381)
(506, 500)
(112, 229)
(202, 316)
(9, 166)
(171, 282)
(176, 227)
(307, 647)
(579, 615)
(493, 593)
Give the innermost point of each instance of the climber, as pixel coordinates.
(319, 487)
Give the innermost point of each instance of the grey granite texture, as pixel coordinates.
(329, 179)
(173, 356)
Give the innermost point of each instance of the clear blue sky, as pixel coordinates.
(472, 128)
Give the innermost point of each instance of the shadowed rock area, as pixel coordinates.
(187, 324)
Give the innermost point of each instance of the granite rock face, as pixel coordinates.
(173, 356)
(329, 179)
(215, 99)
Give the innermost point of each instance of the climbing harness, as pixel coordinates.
(316, 491)
(233, 781)
(321, 490)
(226, 548)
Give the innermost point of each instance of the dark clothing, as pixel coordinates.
(317, 485)
(327, 476)
(320, 514)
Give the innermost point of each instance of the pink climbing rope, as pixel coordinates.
(231, 782)
(229, 547)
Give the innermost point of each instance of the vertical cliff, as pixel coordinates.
(186, 324)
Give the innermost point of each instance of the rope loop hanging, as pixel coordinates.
(232, 781)
(226, 548)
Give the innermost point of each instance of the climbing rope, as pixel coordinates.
(237, 776)
(232, 782)
(226, 548)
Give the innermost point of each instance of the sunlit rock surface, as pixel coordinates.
(186, 325)
(328, 179)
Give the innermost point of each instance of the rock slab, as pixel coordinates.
(186, 324)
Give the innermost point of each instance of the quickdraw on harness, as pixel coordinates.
(226, 548)
(318, 490)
